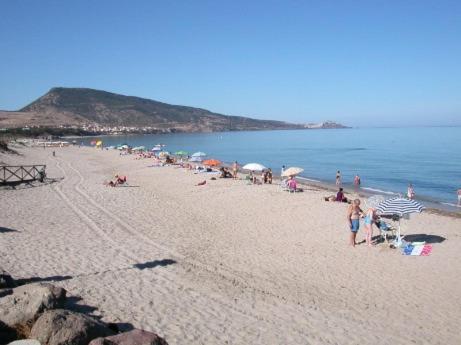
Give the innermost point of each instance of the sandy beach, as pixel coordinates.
(224, 263)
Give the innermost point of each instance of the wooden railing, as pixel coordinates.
(13, 175)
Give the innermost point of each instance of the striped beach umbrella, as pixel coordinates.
(399, 206)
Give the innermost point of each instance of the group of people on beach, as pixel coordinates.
(357, 180)
(354, 214)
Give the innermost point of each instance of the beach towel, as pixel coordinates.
(417, 250)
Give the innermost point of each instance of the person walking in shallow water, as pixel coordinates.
(410, 192)
(357, 181)
(338, 178)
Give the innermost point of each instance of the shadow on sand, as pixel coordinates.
(424, 238)
(2, 230)
(42, 279)
(155, 263)
(32, 184)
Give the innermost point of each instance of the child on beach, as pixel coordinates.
(369, 219)
(354, 212)
(338, 178)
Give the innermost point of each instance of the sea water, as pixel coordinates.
(387, 159)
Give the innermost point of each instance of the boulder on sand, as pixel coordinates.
(134, 337)
(64, 327)
(27, 302)
(25, 342)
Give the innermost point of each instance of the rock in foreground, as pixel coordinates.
(27, 302)
(64, 327)
(134, 337)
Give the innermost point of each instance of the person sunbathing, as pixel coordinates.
(201, 183)
(225, 173)
(119, 180)
(340, 197)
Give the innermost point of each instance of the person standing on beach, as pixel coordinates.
(338, 178)
(235, 169)
(354, 212)
(281, 173)
(459, 197)
(369, 219)
(410, 192)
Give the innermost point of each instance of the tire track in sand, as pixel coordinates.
(225, 274)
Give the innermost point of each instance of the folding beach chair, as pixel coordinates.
(284, 185)
(386, 230)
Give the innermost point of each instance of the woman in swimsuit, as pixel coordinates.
(410, 192)
(368, 223)
(354, 213)
(235, 169)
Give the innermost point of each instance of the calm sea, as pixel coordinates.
(387, 159)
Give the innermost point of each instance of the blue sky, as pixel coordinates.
(362, 63)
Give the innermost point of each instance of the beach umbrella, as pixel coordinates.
(399, 206)
(293, 171)
(93, 142)
(212, 162)
(99, 143)
(254, 167)
(196, 159)
(181, 153)
(199, 154)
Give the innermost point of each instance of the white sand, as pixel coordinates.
(252, 264)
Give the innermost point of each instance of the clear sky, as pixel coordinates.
(362, 63)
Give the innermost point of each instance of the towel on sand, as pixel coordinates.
(417, 250)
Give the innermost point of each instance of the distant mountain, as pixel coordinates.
(81, 106)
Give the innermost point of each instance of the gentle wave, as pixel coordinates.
(308, 179)
(379, 191)
(450, 204)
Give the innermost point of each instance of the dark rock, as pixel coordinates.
(64, 327)
(5, 292)
(134, 337)
(6, 280)
(27, 302)
(7, 334)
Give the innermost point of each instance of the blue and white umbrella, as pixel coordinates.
(399, 206)
(199, 154)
